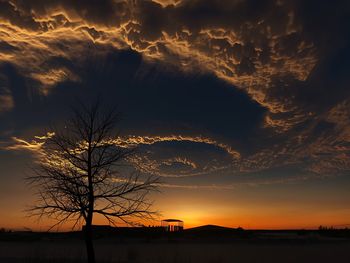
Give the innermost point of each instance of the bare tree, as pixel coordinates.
(79, 175)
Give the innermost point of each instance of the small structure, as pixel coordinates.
(172, 225)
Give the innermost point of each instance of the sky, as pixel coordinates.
(241, 107)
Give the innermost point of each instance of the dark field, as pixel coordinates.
(250, 246)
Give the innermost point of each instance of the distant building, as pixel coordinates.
(172, 225)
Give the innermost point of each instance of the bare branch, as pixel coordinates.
(79, 174)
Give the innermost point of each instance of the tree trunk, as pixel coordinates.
(89, 244)
(88, 235)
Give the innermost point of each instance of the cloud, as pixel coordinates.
(34, 145)
(6, 101)
(330, 149)
(179, 156)
(166, 3)
(166, 163)
(147, 162)
(249, 50)
(269, 49)
(149, 140)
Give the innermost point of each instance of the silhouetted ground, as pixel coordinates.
(208, 244)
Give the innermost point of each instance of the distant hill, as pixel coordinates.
(213, 230)
(210, 228)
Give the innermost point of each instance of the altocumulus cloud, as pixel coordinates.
(248, 48)
(272, 50)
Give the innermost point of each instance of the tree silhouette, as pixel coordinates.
(79, 175)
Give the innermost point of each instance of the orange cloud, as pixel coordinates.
(6, 100)
(166, 3)
(149, 140)
(34, 145)
(142, 161)
(6, 103)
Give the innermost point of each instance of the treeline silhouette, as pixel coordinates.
(334, 232)
(4, 230)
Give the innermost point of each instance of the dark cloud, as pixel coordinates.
(109, 13)
(6, 47)
(8, 11)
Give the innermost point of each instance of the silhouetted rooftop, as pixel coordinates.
(172, 220)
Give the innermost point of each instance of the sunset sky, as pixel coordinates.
(242, 107)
